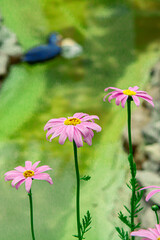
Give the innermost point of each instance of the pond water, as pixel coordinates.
(120, 46)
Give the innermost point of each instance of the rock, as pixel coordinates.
(151, 166)
(10, 50)
(9, 45)
(151, 133)
(4, 63)
(153, 152)
(148, 178)
(155, 74)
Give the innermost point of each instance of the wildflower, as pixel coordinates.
(121, 96)
(27, 174)
(150, 234)
(80, 125)
(149, 195)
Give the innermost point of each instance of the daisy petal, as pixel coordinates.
(28, 183)
(20, 169)
(70, 132)
(28, 165)
(78, 138)
(124, 101)
(16, 180)
(42, 169)
(151, 194)
(35, 165)
(136, 100)
(20, 183)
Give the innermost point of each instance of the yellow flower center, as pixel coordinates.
(158, 238)
(129, 92)
(28, 173)
(72, 121)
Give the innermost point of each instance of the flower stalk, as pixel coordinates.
(78, 191)
(31, 214)
(155, 208)
(133, 174)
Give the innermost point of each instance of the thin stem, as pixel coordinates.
(31, 214)
(78, 190)
(131, 164)
(157, 217)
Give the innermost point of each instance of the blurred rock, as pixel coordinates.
(4, 63)
(10, 50)
(153, 152)
(151, 133)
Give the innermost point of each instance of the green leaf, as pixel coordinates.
(86, 178)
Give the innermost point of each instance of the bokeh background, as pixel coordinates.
(121, 44)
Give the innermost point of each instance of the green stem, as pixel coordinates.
(31, 214)
(157, 217)
(78, 190)
(131, 164)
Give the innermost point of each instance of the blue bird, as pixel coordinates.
(43, 52)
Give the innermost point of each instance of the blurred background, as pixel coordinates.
(120, 41)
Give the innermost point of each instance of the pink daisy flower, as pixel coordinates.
(149, 195)
(150, 234)
(80, 125)
(121, 96)
(27, 174)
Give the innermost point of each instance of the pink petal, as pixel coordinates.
(153, 186)
(28, 183)
(134, 88)
(35, 165)
(12, 176)
(146, 99)
(154, 231)
(20, 169)
(144, 233)
(41, 176)
(16, 180)
(83, 129)
(151, 194)
(53, 126)
(119, 99)
(20, 183)
(78, 138)
(158, 228)
(88, 140)
(117, 89)
(54, 120)
(42, 169)
(56, 133)
(115, 95)
(91, 117)
(70, 132)
(10, 172)
(93, 126)
(28, 165)
(136, 100)
(63, 136)
(124, 101)
(144, 95)
(104, 99)
(49, 180)
(80, 115)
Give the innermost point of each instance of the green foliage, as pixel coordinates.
(86, 221)
(122, 234)
(134, 202)
(86, 178)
